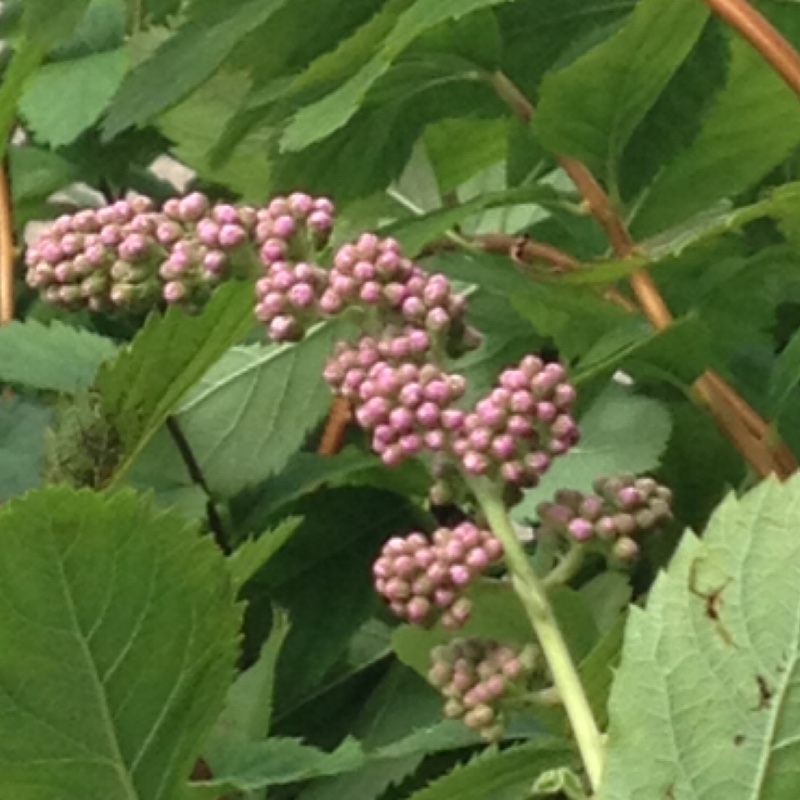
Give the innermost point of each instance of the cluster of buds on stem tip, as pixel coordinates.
(515, 431)
(129, 255)
(406, 404)
(478, 677)
(621, 508)
(423, 580)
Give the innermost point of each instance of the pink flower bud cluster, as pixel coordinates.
(410, 406)
(515, 431)
(289, 232)
(130, 255)
(293, 228)
(97, 258)
(423, 580)
(622, 508)
(288, 299)
(201, 242)
(373, 273)
(476, 676)
(406, 404)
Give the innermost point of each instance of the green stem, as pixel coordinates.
(544, 698)
(567, 567)
(533, 597)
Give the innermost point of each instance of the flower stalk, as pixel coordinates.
(533, 596)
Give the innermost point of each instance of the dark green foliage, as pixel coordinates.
(175, 436)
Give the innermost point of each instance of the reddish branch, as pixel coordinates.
(335, 428)
(6, 251)
(762, 35)
(749, 433)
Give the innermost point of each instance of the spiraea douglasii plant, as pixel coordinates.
(399, 400)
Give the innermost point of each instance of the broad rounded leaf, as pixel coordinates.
(118, 636)
(706, 702)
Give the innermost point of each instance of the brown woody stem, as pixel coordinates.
(6, 251)
(748, 432)
(762, 35)
(335, 428)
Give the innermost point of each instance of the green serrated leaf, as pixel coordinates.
(398, 727)
(93, 587)
(678, 114)
(23, 64)
(253, 554)
(196, 124)
(102, 28)
(22, 430)
(398, 724)
(302, 474)
(247, 716)
(317, 121)
(329, 556)
(505, 775)
(47, 24)
(279, 761)
(786, 374)
(709, 670)
(148, 379)
(752, 126)
(55, 357)
(597, 670)
(591, 108)
(482, 143)
(36, 173)
(606, 596)
(66, 98)
(276, 395)
(189, 58)
(684, 350)
(622, 433)
(353, 51)
(161, 469)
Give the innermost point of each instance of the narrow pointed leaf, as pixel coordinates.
(591, 108)
(317, 121)
(187, 59)
(751, 128)
(499, 775)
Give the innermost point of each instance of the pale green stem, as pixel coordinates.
(544, 698)
(566, 568)
(533, 597)
(406, 202)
